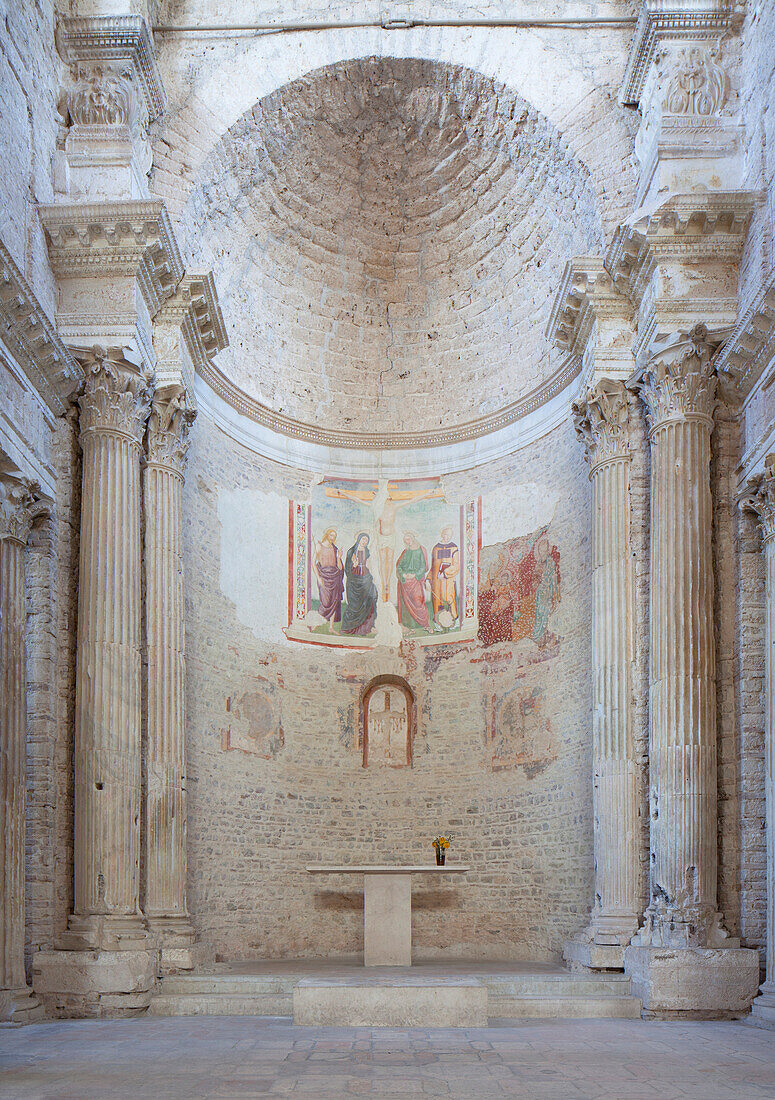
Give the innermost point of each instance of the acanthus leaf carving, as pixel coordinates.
(602, 422)
(680, 379)
(698, 86)
(107, 96)
(168, 427)
(116, 396)
(20, 505)
(759, 497)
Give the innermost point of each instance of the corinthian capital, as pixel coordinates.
(602, 422)
(116, 396)
(679, 381)
(168, 427)
(20, 506)
(759, 497)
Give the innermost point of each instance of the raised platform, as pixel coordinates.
(514, 990)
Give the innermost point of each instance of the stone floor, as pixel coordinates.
(241, 1057)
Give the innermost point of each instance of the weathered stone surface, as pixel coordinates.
(698, 983)
(390, 1002)
(95, 983)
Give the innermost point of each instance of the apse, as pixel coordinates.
(386, 236)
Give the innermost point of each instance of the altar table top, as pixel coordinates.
(388, 869)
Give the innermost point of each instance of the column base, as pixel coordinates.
(95, 983)
(174, 938)
(104, 933)
(581, 953)
(763, 1008)
(696, 983)
(20, 1006)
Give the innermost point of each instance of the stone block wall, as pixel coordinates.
(256, 819)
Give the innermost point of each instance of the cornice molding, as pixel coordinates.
(702, 226)
(193, 311)
(438, 437)
(751, 345)
(689, 20)
(33, 341)
(115, 238)
(585, 295)
(114, 38)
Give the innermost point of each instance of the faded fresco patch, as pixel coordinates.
(519, 588)
(378, 562)
(255, 724)
(519, 734)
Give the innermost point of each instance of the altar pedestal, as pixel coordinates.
(390, 999)
(387, 907)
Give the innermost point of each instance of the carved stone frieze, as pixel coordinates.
(104, 239)
(169, 423)
(680, 379)
(117, 394)
(20, 505)
(658, 23)
(103, 95)
(115, 39)
(697, 85)
(602, 422)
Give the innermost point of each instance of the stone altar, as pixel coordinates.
(387, 907)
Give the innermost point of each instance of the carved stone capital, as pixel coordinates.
(680, 379)
(759, 497)
(168, 427)
(602, 422)
(116, 397)
(20, 506)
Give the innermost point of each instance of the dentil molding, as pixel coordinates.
(32, 339)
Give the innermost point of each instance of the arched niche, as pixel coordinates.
(388, 717)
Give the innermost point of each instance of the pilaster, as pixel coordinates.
(20, 504)
(165, 849)
(603, 425)
(760, 498)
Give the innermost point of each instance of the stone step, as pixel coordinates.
(602, 1006)
(221, 1004)
(247, 984)
(551, 987)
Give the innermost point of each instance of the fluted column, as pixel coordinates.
(114, 408)
(762, 500)
(679, 389)
(603, 425)
(19, 504)
(165, 850)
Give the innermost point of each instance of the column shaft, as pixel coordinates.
(107, 711)
(679, 389)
